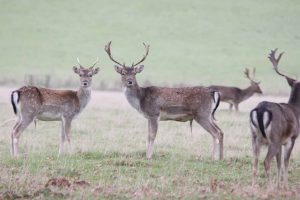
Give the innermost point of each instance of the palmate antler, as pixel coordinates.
(275, 61)
(108, 51)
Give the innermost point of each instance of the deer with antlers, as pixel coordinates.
(234, 95)
(177, 104)
(277, 126)
(30, 103)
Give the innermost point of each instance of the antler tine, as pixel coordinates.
(97, 60)
(254, 72)
(275, 61)
(79, 62)
(246, 72)
(108, 51)
(144, 57)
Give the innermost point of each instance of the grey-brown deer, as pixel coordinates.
(30, 103)
(277, 126)
(234, 95)
(178, 104)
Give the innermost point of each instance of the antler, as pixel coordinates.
(144, 57)
(97, 60)
(107, 49)
(275, 61)
(79, 62)
(247, 74)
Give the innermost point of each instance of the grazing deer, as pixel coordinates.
(234, 95)
(177, 104)
(276, 125)
(30, 103)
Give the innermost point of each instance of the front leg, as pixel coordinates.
(152, 130)
(65, 134)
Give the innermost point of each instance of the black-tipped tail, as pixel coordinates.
(260, 119)
(14, 99)
(216, 98)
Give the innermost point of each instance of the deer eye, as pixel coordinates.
(90, 75)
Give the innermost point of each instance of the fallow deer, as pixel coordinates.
(277, 126)
(30, 103)
(177, 104)
(234, 95)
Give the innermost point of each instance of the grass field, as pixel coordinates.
(109, 160)
(192, 43)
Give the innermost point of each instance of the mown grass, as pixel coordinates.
(192, 43)
(109, 160)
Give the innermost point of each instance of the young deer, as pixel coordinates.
(178, 104)
(276, 125)
(30, 103)
(234, 95)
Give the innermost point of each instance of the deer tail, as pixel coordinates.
(216, 99)
(14, 98)
(261, 119)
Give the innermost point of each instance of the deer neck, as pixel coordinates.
(294, 100)
(246, 93)
(133, 95)
(84, 96)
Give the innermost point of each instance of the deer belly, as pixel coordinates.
(182, 117)
(49, 116)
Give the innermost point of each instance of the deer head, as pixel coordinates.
(128, 73)
(254, 84)
(86, 74)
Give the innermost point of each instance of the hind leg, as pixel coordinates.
(287, 153)
(256, 151)
(278, 161)
(273, 150)
(16, 133)
(216, 133)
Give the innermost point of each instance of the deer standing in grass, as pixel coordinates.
(277, 126)
(30, 103)
(178, 104)
(234, 95)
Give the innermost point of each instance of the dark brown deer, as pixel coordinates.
(277, 126)
(234, 95)
(178, 104)
(30, 103)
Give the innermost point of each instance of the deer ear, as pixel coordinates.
(95, 71)
(76, 70)
(118, 69)
(139, 69)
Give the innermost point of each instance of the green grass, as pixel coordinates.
(195, 42)
(109, 158)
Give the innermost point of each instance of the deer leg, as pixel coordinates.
(152, 130)
(278, 161)
(287, 153)
(230, 106)
(67, 132)
(217, 135)
(62, 138)
(256, 151)
(236, 106)
(16, 133)
(272, 151)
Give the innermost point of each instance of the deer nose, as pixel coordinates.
(130, 82)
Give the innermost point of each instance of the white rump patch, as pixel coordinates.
(217, 141)
(216, 96)
(15, 97)
(266, 118)
(254, 118)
